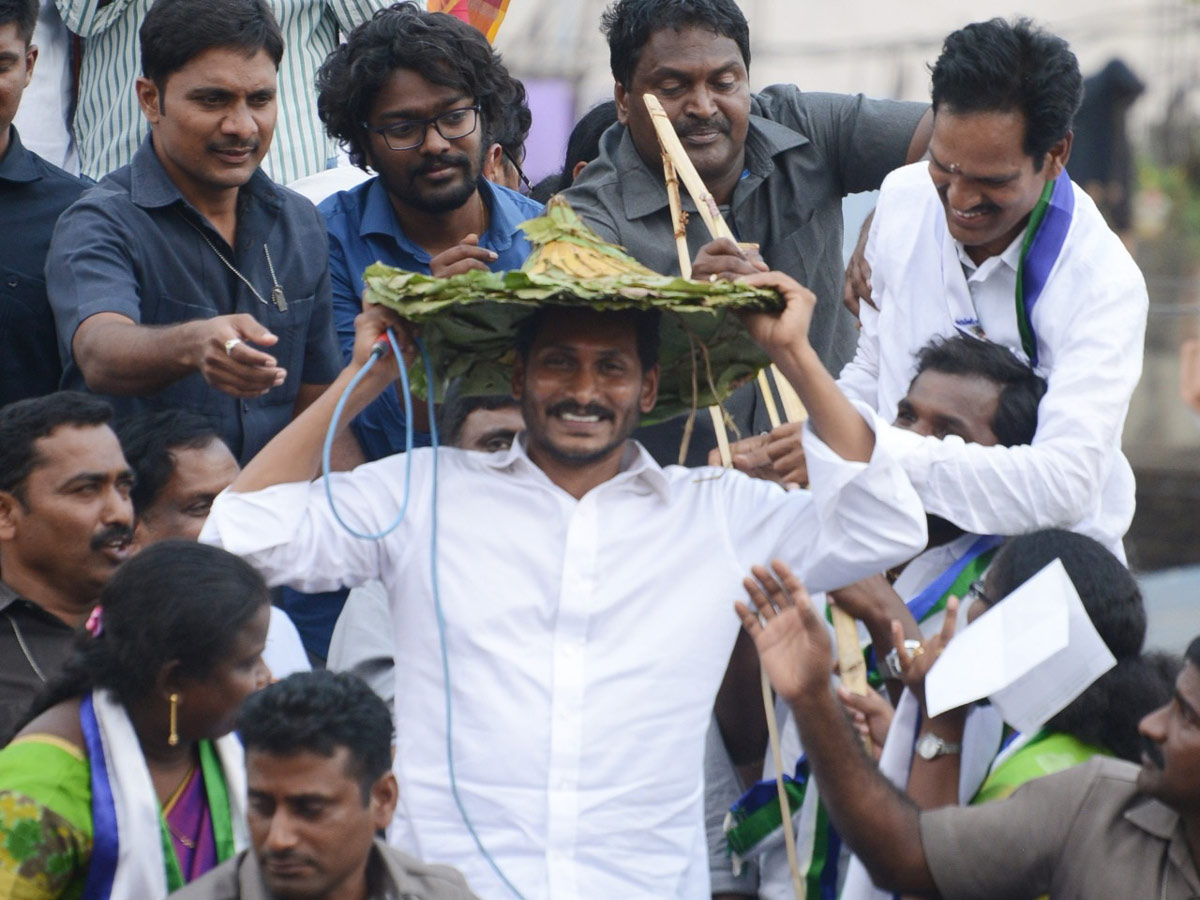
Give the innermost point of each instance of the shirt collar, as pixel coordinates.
(636, 465)
(7, 596)
(150, 186)
(18, 164)
(642, 190)
(1158, 819)
(1011, 257)
(379, 218)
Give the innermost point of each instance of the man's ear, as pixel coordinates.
(1057, 156)
(492, 161)
(385, 794)
(649, 395)
(622, 98)
(518, 377)
(10, 514)
(149, 99)
(31, 56)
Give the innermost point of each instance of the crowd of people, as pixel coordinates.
(227, 673)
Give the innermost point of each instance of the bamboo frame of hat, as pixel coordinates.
(678, 166)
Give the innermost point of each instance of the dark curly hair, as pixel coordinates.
(997, 66)
(317, 712)
(441, 48)
(628, 25)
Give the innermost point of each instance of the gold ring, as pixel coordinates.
(917, 651)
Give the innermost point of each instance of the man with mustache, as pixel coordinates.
(777, 162)
(66, 523)
(1101, 829)
(419, 97)
(187, 279)
(992, 238)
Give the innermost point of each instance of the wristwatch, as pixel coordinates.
(930, 746)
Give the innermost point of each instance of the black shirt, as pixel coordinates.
(33, 194)
(34, 644)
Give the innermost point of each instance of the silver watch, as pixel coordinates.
(890, 668)
(930, 746)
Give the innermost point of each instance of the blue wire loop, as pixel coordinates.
(377, 353)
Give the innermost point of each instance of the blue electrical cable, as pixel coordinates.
(377, 353)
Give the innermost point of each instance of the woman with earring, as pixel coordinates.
(126, 781)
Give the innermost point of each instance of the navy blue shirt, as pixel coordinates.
(132, 245)
(363, 230)
(33, 194)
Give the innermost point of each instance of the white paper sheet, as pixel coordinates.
(1032, 654)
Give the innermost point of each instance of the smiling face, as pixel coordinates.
(311, 829)
(212, 120)
(701, 81)
(1171, 762)
(69, 525)
(582, 387)
(986, 181)
(440, 175)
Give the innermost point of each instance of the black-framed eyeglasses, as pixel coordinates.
(527, 188)
(976, 592)
(408, 134)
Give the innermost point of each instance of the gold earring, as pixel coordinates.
(173, 737)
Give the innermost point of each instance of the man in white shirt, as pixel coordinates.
(991, 238)
(581, 594)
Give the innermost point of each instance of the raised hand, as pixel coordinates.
(792, 641)
(916, 665)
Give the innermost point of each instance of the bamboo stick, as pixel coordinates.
(678, 216)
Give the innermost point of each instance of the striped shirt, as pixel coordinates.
(109, 126)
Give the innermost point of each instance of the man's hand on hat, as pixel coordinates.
(228, 362)
(461, 258)
(787, 329)
(723, 259)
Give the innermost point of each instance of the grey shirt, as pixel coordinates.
(133, 245)
(804, 152)
(1082, 833)
(391, 875)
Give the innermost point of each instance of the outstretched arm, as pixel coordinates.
(878, 822)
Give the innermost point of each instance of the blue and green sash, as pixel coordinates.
(1044, 238)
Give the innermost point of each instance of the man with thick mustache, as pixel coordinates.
(418, 97)
(992, 238)
(66, 522)
(188, 279)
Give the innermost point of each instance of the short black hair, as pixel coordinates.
(317, 712)
(1022, 389)
(24, 13)
(455, 409)
(1192, 654)
(511, 127)
(629, 24)
(175, 600)
(646, 323)
(998, 66)
(23, 422)
(176, 31)
(440, 47)
(1109, 592)
(147, 441)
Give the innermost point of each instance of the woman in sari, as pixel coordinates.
(126, 781)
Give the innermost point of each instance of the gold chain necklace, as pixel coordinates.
(277, 297)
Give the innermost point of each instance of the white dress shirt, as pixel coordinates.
(1090, 324)
(586, 640)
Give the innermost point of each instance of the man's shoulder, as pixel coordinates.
(347, 204)
(219, 884)
(516, 202)
(55, 186)
(427, 880)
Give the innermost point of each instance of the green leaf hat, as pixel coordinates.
(468, 321)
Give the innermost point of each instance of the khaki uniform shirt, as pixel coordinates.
(392, 875)
(1082, 834)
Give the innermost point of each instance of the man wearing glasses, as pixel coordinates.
(420, 98)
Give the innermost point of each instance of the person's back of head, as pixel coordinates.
(21, 13)
(629, 24)
(174, 32)
(1021, 388)
(583, 146)
(441, 48)
(178, 605)
(998, 66)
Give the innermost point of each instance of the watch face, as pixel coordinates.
(929, 746)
